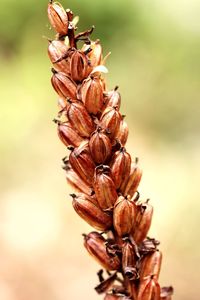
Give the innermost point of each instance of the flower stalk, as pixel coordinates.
(99, 168)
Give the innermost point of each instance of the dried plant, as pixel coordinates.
(99, 168)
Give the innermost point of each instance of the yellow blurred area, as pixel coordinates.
(155, 61)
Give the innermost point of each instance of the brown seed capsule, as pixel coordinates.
(95, 55)
(130, 186)
(104, 187)
(143, 222)
(68, 135)
(124, 216)
(63, 85)
(151, 265)
(113, 98)
(129, 261)
(110, 120)
(91, 213)
(120, 166)
(149, 289)
(95, 245)
(58, 17)
(79, 66)
(122, 135)
(82, 162)
(100, 146)
(92, 94)
(79, 118)
(57, 52)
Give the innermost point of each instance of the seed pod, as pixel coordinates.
(57, 52)
(79, 66)
(151, 265)
(68, 135)
(110, 120)
(95, 55)
(120, 166)
(106, 284)
(149, 289)
(122, 135)
(129, 186)
(95, 245)
(113, 98)
(91, 213)
(124, 216)
(100, 146)
(143, 222)
(92, 94)
(75, 181)
(104, 187)
(58, 17)
(129, 261)
(79, 118)
(82, 162)
(63, 85)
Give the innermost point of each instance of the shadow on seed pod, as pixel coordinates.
(124, 214)
(112, 98)
(122, 135)
(58, 54)
(120, 166)
(82, 162)
(79, 66)
(149, 289)
(79, 118)
(90, 212)
(94, 242)
(58, 17)
(64, 86)
(129, 260)
(100, 146)
(110, 120)
(150, 265)
(104, 187)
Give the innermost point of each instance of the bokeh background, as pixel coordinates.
(156, 62)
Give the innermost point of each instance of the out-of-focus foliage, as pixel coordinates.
(156, 62)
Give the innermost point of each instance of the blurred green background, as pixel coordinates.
(156, 62)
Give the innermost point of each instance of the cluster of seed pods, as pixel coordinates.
(99, 168)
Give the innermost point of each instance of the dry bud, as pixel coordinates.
(113, 98)
(104, 187)
(82, 162)
(57, 52)
(91, 213)
(68, 135)
(110, 120)
(92, 94)
(122, 135)
(100, 146)
(79, 118)
(120, 166)
(143, 222)
(79, 66)
(124, 216)
(58, 17)
(129, 261)
(151, 265)
(149, 289)
(95, 245)
(130, 185)
(63, 85)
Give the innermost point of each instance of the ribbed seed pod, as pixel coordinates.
(58, 17)
(113, 98)
(79, 118)
(124, 216)
(95, 245)
(79, 66)
(100, 146)
(110, 120)
(91, 213)
(143, 222)
(129, 261)
(122, 135)
(120, 166)
(68, 135)
(95, 55)
(82, 162)
(63, 85)
(92, 94)
(149, 289)
(151, 265)
(104, 187)
(57, 52)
